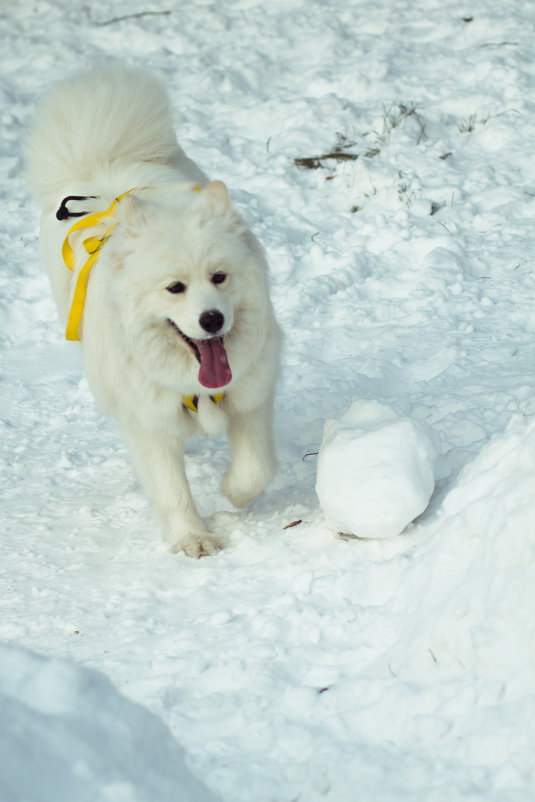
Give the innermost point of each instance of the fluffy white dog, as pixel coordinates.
(161, 281)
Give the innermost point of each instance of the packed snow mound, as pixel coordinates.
(498, 486)
(375, 471)
(477, 576)
(67, 735)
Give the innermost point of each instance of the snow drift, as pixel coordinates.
(67, 735)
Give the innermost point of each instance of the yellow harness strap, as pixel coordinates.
(93, 246)
(191, 402)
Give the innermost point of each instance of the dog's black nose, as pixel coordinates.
(212, 321)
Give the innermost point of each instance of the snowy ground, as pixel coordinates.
(296, 665)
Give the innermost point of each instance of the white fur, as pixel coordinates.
(102, 133)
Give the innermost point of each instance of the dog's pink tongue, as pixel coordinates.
(215, 369)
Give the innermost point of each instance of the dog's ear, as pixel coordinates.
(133, 212)
(216, 196)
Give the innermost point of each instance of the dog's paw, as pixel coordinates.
(242, 487)
(196, 546)
(240, 498)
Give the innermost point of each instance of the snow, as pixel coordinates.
(375, 470)
(295, 665)
(68, 734)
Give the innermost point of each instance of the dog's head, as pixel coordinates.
(188, 286)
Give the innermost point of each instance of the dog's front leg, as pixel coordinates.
(253, 463)
(161, 464)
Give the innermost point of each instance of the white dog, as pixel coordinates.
(163, 284)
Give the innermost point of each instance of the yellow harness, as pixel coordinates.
(93, 246)
(192, 401)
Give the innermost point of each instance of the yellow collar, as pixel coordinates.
(191, 402)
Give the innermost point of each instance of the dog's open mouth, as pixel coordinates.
(214, 369)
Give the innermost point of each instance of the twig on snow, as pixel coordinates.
(338, 153)
(293, 523)
(314, 162)
(310, 453)
(112, 21)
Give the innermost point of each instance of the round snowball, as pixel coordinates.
(375, 471)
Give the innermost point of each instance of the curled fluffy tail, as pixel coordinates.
(109, 116)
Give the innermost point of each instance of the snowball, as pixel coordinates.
(375, 471)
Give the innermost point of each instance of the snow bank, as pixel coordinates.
(375, 471)
(67, 735)
(477, 572)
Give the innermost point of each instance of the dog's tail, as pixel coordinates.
(111, 115)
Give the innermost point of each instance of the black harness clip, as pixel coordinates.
(63, 213)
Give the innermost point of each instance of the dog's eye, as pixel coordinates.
(219, 277)
(176, 287)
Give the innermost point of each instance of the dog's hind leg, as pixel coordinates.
(161, 465)
(253, 463)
